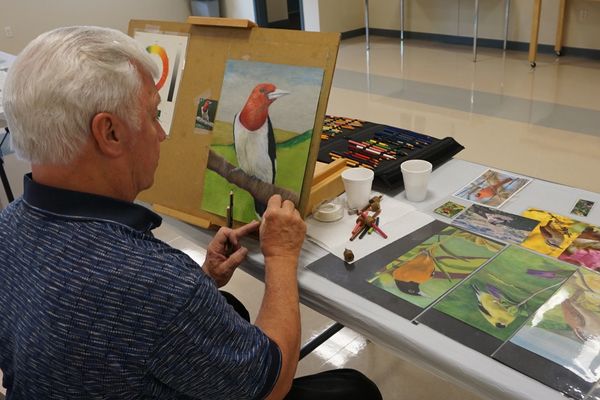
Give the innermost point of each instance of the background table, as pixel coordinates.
(418, 343)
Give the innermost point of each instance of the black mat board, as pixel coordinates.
(594, 394)
(459, 331)
(543, 370)
(354, 276)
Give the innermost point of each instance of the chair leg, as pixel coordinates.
(368, 43)
(401, 20)
(506, 18)
(475, 23)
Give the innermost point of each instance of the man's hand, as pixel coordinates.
(282, 230)
(218, 264)
(282, 233)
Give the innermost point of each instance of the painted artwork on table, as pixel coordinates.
(582, 207)
(168, 51)
(205, 114)
(449, 209)
(439, 263)
(554, 233)
(501, 296)
(262, 134)
(566, 329)
(496, 224)
(585, 249)
(493, 188)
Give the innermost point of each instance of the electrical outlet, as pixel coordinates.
(8, 32)
(583, 14)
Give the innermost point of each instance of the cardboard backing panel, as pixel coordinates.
(179, 179)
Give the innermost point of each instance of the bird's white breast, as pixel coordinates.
(252, 150)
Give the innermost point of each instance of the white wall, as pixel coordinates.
(342, 15)
(455, 17)
(243, 9)
(333, 16)
(29, 18)
(310, 8)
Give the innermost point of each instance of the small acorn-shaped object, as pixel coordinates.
(348, 255)
(375, 206)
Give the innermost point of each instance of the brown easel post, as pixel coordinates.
(179, 179)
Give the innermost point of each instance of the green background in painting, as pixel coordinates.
(455, 242)
(508, 273)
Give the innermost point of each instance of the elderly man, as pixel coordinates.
(92, 305)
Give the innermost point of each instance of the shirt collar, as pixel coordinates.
(73, 204)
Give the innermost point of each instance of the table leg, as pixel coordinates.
(560, 27)
(368, 44)
(475, 23)
(319, 340)
(506, 17)
(535, 30)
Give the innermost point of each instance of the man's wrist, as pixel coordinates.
(281, 260)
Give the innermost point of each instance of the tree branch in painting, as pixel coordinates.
(260, 190)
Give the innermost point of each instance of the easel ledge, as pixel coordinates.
(225, 22)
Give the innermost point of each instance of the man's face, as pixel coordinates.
(145, 142)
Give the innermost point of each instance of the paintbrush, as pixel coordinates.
(228, 245)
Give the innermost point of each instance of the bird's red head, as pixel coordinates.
(262, 90)
(256, 110)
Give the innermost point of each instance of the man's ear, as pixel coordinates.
(106, 131)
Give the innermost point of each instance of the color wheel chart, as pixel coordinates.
(168, 51)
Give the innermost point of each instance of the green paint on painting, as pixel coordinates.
(292, 155)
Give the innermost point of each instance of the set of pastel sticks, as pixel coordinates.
(368, 153)
(339, 126)
(381, 145)
(381, 148)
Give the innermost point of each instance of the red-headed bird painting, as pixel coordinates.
(263, 130)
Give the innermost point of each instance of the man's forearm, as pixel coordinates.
(279, 317)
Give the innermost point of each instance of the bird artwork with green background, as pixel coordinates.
(429, 270)
(263, 127)
(566, 329)
(500, 297)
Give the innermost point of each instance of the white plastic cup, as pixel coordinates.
(357, 183)
(416, 177)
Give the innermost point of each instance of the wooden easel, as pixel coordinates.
(178, 187)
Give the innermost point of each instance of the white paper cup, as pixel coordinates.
(357, 183)
(416, 177)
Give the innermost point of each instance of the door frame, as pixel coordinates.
(260, 12)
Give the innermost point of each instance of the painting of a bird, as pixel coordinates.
(496, 308)
(254, 138)
(414, 272)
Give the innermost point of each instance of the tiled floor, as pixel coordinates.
(544, 123)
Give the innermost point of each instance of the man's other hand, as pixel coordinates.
(219, 264)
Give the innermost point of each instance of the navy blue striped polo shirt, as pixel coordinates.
(92, 306)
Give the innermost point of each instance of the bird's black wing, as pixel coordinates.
(233, 135)
(272, 154)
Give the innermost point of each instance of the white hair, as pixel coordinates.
(62, 79)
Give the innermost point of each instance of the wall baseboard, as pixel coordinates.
(481, 42)
(354, 33)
